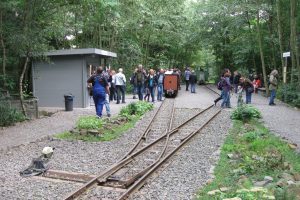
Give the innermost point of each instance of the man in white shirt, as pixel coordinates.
(120, 82)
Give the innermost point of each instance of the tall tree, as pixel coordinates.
(280, 33)
(260, 42)
(294, 42)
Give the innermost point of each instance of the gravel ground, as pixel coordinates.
(191, 164)
(189, 169)
(40, 129)
(90, 158)
(282, 119)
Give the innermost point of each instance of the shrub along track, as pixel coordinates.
(150, 152)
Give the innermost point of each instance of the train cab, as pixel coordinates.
(171, 83)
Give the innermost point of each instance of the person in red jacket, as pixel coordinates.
(256, 83)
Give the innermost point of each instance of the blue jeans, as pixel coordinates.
(140, 90)
(193, 87)
(159, 91)
(226, 99)
(99, 99)
(107, 107)
(152, 90)
(134, 90)
(248, 97)
(272, 97)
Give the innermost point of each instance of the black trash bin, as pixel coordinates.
(69, 102)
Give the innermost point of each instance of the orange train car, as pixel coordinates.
(171, 84)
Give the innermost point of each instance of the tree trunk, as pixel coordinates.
(280, 34)
(270, 29)
(262, 53)
(21, 85)
(147, 50)
(294, 46)
(3, 46)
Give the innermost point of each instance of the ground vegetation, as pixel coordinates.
(261, 166)
(93, 129)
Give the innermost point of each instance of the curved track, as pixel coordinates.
(154, 147)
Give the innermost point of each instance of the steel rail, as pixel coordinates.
(138, 184)
(212, 90)
(144, 135)
(140, 174)
(124, 161)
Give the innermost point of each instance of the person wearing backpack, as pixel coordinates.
(139, 80)
(248, 87)
(226, 88)
(273, 86)
(100, 89)
(220, 87)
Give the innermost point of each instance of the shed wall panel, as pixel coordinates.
(62, 75)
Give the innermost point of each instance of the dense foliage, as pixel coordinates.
(9, 116)
(290, 93)
(246, 35)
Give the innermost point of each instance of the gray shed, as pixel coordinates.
(66, 72)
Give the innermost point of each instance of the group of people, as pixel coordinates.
(240, 84)
(107, 86)
(146, 82)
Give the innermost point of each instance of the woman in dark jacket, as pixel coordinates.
(193, 81)
(152, 83)
(248, 88)
(100, 88)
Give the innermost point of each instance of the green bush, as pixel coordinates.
(138, 108)
(9, 116)
(289, 93)
(245, 113)
(89, 122)
(251, 136)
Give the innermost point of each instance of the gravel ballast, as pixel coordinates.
(187, 171)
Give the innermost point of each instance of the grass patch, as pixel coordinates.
(257, 153)
(92, 129)
(116, 132)
(89, 122)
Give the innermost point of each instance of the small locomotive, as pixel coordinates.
(171, 83)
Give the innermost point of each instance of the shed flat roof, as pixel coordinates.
(81, 51)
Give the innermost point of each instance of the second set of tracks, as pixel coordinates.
(155, 146)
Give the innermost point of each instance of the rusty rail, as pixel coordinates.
(129, 158)
(212, 90)
(138, 184)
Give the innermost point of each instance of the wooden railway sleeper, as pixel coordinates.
(125, 160)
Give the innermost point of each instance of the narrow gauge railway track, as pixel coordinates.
(131, 172)
(160, 123)
(214, 91)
